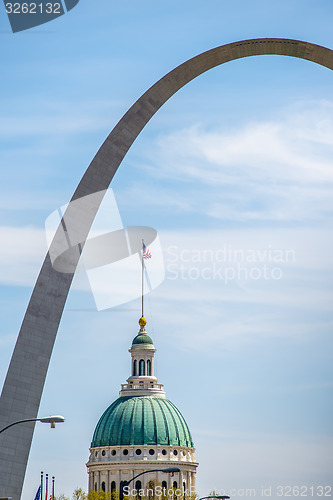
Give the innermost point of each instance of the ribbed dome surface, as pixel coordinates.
(139, 420)
(142, 339)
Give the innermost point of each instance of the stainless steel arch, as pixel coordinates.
(25, 379)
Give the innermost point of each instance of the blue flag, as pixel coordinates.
(37, 497)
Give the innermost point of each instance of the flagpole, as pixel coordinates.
(46, 486)
(53, 479)
(142, 279)
(41, 485)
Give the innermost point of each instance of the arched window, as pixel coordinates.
(95, 486)
(184, 489)
(113, 490)
(138, 487)
(164, 487)
(142, 370)
(135, 367)
(148, 367)
(103, 486)
(174, 486)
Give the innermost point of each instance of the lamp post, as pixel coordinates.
(55, 419)
(170, 470)
(45, 420)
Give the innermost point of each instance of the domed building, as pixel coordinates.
(142, 430)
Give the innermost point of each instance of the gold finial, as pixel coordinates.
(142, 321)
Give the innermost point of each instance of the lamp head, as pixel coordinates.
(56, 419)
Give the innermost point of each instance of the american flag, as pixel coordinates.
(145, 252)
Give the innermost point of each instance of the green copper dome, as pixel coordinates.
(142, 339)
(139, 420)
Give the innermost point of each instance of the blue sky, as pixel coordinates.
(240, 160)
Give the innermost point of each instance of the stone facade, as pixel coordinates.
(108, 466)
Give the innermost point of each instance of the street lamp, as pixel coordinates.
(45, 420)
(126, 483)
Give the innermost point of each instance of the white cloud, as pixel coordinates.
(278, 169)
(304, 256)
(22, 252)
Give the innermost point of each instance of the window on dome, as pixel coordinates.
(175, 452)
(125, 452)
(138, 451)
(148, 367)
(113, 452)
(164, 452)
(151, 452)
(103, 453)
(135, 367)
(142, 370)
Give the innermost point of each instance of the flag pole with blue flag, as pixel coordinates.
(38, 494)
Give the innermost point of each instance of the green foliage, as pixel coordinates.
(98, 495)
(79, 494)
(115, 495)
